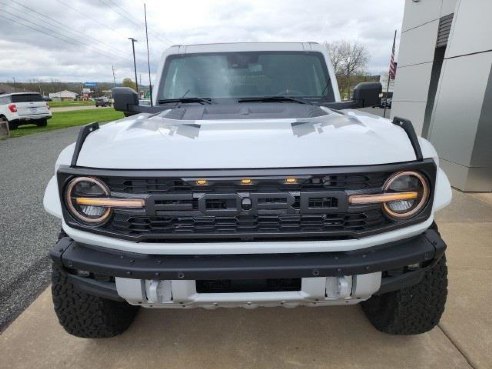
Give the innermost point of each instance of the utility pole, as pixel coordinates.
(148, 53)
(114, 76)
(14, 82)
(134, 60)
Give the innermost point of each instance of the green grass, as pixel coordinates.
(69, 119)
(59, 104)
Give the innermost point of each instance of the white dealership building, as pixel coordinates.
(444, 84)
(63, 95)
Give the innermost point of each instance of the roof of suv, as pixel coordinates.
(246, 46)
(20, 93)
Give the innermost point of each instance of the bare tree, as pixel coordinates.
(349, 60)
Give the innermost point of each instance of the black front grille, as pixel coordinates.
(216, 205)
(267, 208)
(242, 226)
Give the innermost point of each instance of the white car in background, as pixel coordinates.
(20, 108)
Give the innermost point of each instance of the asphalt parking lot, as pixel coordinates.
(26, 231)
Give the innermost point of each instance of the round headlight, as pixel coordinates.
(408, 181)
(87, 187)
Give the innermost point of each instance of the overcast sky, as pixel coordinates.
(79, 40)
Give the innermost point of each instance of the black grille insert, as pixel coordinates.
(245, 226)
(323, 202)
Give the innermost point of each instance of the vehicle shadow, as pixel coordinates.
(268, 338)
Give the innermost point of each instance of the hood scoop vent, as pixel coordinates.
(245, 111)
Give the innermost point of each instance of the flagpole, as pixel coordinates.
(389, 78)
(148, 53)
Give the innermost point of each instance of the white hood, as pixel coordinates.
(156, 142)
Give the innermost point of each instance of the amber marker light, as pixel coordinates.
(291, 180)
(110, 202)
(201, 182)
(246, 181)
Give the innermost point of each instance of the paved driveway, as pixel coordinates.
(26, 231)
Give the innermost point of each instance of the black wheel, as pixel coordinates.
(413, 310)
(42, 122)
(85, 315)
(12, 126)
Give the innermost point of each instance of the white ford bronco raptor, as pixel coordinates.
(247, 183)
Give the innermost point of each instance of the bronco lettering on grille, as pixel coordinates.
(246, 203)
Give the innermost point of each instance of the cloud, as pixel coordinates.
(81, 40)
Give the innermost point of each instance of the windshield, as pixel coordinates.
(26, 98)
(246, 74)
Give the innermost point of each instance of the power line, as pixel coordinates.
(123, 13)
(50, 24)
(91, 18)
(123, 10)
(14, 18)
(56, 25)
(88, 17)
(57, 34)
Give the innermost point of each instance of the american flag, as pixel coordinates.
(392, 70)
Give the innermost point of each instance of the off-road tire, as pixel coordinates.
(42, 122)
(413, 310)
(85, 315)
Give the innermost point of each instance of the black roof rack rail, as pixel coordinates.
(83, 133)
(412, 136)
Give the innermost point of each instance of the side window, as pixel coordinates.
(4, 100)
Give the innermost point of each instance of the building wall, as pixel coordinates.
(416, 56)
(461, 124)
(460, 121)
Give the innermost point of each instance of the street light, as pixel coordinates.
(134, 60)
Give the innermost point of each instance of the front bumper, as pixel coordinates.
(169, 280)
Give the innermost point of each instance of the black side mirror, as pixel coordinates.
(125, 100)
(367, 94)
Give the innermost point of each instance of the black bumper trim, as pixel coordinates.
(105, 290)
(425, 248)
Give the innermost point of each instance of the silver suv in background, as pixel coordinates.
(24, 108)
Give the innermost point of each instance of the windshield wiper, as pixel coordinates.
(184, 100)
(298, 100)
